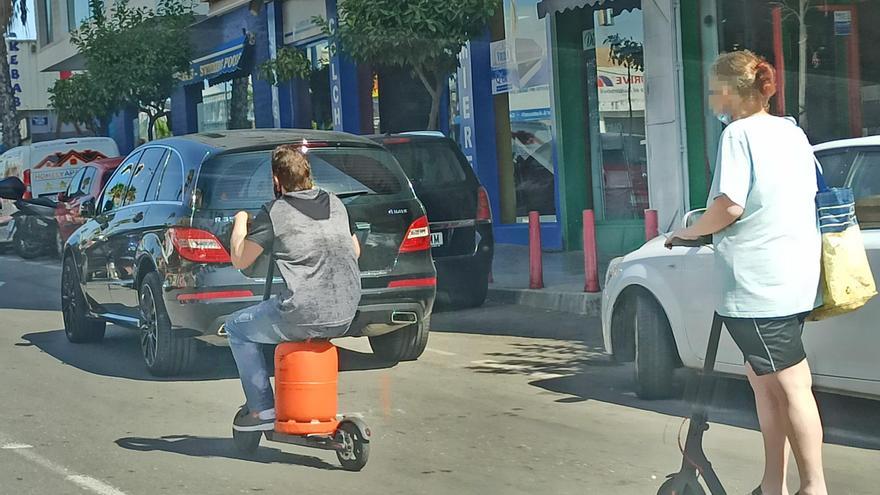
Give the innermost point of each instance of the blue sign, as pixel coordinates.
(842, 23)
(226, 59)
(531, 114)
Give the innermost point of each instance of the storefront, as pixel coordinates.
(503, 116)
(222, 88)
(830, 82)
(552, 114)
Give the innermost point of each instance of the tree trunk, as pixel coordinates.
(434, 117)
(8, 113)
(435, 92)
(802, 63)
(238, 105)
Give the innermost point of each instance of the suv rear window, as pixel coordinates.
(244, 180)
(429, 162)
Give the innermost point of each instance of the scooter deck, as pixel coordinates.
(326, 442)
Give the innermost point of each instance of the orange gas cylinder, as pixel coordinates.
(305, 387)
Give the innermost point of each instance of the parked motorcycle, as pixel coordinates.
(34, 226)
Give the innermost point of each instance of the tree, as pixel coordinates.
(138, 52)
(629, 54)
(83, 100)
(9, 11)
(289, 63)
(425, 36)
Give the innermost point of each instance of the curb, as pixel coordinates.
(579, 303)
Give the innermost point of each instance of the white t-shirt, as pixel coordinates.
(768, 261)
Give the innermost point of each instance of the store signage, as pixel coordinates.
(842, 22)
(589, 39)
(15, 72)
(465, 102)
(499, 65)
(225, 59)
(335, 81)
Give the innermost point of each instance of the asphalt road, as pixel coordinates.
(488, 409)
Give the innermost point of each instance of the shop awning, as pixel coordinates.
(553, 6)
(220, 65)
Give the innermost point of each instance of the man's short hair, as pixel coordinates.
(291, 166)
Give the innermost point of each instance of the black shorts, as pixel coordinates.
(769, 344)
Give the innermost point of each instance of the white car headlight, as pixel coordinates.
(613, 270)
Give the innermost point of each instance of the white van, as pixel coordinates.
(46, 168)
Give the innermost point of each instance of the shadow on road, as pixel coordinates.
(29, 286)
(119, 355)
(583, 372)
(218, 447)
(516, 321)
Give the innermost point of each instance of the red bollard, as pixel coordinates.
(591, 258)
(651, 225)
(536, 265)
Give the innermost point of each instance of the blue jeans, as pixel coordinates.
(249, 330)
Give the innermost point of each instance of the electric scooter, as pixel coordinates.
(347, 435)
(695, 464)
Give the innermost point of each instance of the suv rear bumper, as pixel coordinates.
(380, 311)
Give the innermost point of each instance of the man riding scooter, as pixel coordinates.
(309, 233)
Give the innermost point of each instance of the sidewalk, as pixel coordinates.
(563, 281)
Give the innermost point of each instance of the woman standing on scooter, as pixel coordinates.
(762, 214)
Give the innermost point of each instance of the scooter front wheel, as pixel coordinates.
(246, 442)
(681, 485)
(355, 449)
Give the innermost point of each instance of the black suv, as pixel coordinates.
(458, 210)
(154, 254)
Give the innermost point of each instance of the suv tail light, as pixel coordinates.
(418, 237)
(198, 245)
(26, 179)
(484, 211)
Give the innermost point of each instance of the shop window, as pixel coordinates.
(217, 111)
(523, 55)
(616, 114)
(832, 86)
(319, 85)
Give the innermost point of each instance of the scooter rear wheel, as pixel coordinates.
(246, 442)
(356, 449)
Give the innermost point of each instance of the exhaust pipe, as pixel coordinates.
(404, 317)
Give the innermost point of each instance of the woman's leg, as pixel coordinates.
(792, 388)
(774, 427)
(794, 391)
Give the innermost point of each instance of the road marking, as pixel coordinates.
(12, 446)
(82, 481)
(438, 351)
(2, 283)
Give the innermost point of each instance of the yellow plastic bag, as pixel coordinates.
(847, 282)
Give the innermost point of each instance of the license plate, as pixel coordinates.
(436, 239)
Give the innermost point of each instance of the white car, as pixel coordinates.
(657, 304)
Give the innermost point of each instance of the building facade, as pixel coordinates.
(560, 106)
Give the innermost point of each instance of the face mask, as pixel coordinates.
(724, 118)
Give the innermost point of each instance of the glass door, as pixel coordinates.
(616, 114)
